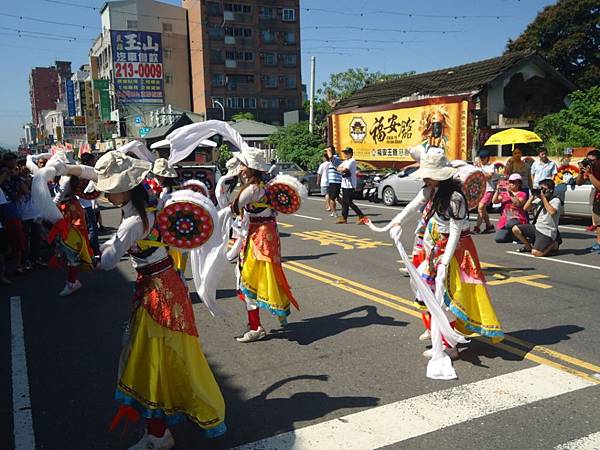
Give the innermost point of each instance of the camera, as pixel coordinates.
(536, 191)
(586, 162)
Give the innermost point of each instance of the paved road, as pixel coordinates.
(347, 371)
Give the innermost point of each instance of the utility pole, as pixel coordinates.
(311, 118)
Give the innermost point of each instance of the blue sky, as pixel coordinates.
(466, 39)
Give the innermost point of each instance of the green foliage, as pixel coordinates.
(294, 143)
(242, 116)
(567, 35)
(224, 155)
(575, 126)
(343, 84)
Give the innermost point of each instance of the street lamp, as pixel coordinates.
(221, 105)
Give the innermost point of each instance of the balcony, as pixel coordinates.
(231, 63)
(229, 40)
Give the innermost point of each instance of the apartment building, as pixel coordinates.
(245, 57)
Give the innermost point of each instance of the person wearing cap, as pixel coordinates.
(543, 169)
(164, 179)
(163, 374)
(444, 253)
(512, 199)
(348, 170)
(491, 176)
(262, 282)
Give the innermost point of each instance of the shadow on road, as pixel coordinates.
(314, 329)
(528, 340)
(307, 257)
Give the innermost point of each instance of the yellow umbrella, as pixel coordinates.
(513, 136)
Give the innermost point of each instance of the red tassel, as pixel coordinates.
(129, 413)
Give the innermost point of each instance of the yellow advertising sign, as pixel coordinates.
(378, 134)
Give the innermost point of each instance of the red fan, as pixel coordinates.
(185, 225)
(474, 188)
(283, 198)
(80, 190)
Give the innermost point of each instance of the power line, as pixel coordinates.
(34, 36)
(35, 19)
(364, 41)
(395, 30)
(407, 14)
(40, 33)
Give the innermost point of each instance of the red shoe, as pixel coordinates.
(362, 220)
(591, 228)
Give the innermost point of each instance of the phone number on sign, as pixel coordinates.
(138, 70)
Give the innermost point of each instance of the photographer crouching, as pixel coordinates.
(542, 236)
(589, 169)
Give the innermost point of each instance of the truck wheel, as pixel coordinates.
(389, 197)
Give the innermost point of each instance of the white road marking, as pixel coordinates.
(307, 217)
(564, 227)
(553, 259)
(22, 420)
(589, 442)
(396, 422)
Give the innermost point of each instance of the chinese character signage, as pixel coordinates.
(70, 90)
(388, 135)
(138, 69)
(102, 87)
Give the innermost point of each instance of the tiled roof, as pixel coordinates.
(453, 80)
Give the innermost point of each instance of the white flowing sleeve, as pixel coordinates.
(251, 194)
(413, 208)
(130, 231)
(63, 189)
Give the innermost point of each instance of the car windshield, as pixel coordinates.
(288, 167)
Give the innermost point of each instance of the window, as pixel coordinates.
(287, 15)
(168, 78)
(270, 81)
(132, 25)
(269, 103)
(238, 32)
(167, 27)
(240, 56)
(267, 36)
(267, 12)
(289, 37)
(167, 52)
(289, 59)
(270, 59)
(216, 56)
(213, 8)
(215, 32)
(218, 79)
(238, 8)
(248, 56)
(290, 103)
(289, 82)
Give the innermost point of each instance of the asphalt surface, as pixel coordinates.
(352, 346)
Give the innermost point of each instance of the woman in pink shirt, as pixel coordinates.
(512, 199)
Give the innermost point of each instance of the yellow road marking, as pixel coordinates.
(525, 279)
(284, 225)
(345, 241)
(344, 284)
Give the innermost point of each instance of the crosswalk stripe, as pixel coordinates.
(396, 422)
(589, 442)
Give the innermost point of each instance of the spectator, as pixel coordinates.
(348, 170)
(593, 156)
(542, 237)
(515, 164)
(543, 169)
(590, 171)
(492, 177)
(88, 159)
(273, 170)
(322, 180)
(32, 224)
(567, 156)
(13, 188)
(334, 179)
(3, 237)
(512, 200)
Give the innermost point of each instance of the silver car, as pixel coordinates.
(399, 187)
(576, 199)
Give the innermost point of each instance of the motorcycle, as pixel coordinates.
(370, 188)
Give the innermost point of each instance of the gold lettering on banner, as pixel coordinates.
(345, 241)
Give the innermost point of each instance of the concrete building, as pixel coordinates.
(245, 57)
(79, 78)
(43, 91)
(150, 65)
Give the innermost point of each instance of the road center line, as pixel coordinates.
(589, 442)
(22, 418)
(308, 217)
(379, 427)
(573, 263)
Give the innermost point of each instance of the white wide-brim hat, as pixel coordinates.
(161, 168)
(434, 165)
(118, 172)
(254, 159)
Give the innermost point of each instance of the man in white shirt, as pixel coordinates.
(348, 170)
(542, 237)
(323, 181)
(543, 169)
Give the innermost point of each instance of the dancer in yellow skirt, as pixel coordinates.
(444, 253)
(163, 374)
(262, 283)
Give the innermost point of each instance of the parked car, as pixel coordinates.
(308, 179)
(399, 187)
(576, 199)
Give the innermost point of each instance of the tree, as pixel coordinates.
(242, 116)
(224, 155)
(575, 126)
(294, 143)
(343, 84)
(567, 34)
